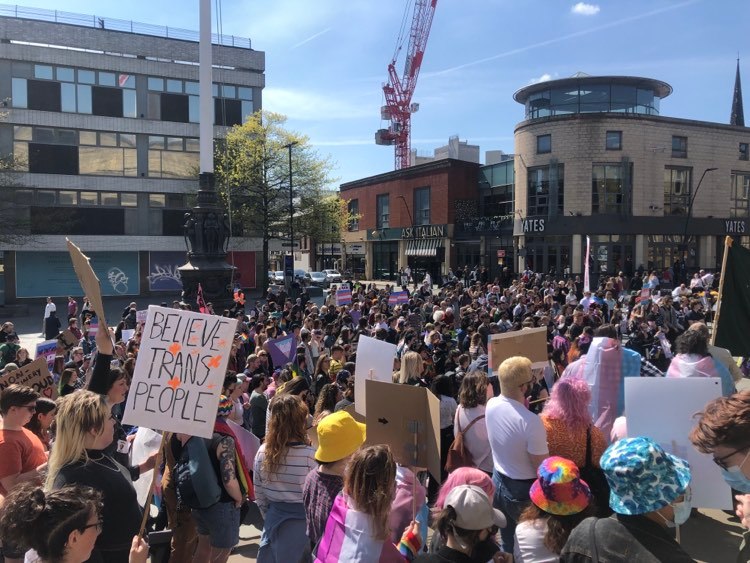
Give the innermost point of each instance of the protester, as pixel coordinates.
(258, 405)
(472, 398)
(179, 516)
(722, 431)
(218, 525)
(518, 441)
(560, 500)
(281, 466)
(67, 383)
(650, 496)
(59, 526)
(694, 360)
(42, 420)
(568, 423)
(339, 436)
(85, 427)
(357, 530)
(465, 524)
(22, 357)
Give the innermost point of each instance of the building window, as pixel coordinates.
(740, 195)
(383, 210)
(499, 202)
(608, 188)
(679, 147)
(744, 151)
(422, 206)
(676, 190)
(614, 140)
(172, 157)
(353, 207)
(542, 188)
(543, 144)
(179, 101)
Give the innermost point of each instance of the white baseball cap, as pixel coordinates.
(473, 508)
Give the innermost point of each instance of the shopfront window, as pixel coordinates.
(548, 255)
(385, 260)
(545, 190)
(676, 190)
(740, 195)
(665, 250)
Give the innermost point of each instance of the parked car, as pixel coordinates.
(299, 275)
(278, 276)
(318, 279)
(333, 276)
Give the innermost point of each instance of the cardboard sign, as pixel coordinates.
(88, 280)
(48, 351)
(406, 418)
(140, 316)
(530, 343)
(343, 297)
(67, 340)
(398, 298)
(34, 375)
(127, 334)
(663, 408)
(180, 371)
(376, 356)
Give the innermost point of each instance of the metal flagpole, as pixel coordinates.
(727, 245)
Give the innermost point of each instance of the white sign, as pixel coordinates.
(374, 361)
(127, 334)
(180, 371)
(663, 408)
(355, 249)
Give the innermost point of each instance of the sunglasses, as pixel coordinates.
(722, 461)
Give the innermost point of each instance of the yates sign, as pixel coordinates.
(425, 231)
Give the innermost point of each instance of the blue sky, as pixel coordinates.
(326, 60)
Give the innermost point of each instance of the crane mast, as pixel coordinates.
(398, 91)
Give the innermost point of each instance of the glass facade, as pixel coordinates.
(383, 211)
(740, 208)
(610, 187)
(545, 191)
(676, 190)
(594, 97)
(422, 206)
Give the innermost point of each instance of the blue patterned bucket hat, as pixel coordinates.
(642, 476)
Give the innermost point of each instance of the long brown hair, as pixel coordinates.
(370, 482)
(558, 527)
(287, 425)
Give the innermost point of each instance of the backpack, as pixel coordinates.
(196, 482)
(458, 455)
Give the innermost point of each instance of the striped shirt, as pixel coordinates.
(285, 485)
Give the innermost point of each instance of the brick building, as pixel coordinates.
(102, 121)
(407, 217)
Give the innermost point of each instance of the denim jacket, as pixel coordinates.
(623, 539)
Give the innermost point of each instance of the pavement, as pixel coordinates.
(710, 536)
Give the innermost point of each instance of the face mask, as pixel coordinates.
(682, 512)
(736, 479)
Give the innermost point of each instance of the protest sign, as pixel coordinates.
(127, 334)
(140, 316)
(406, 418)
(34, 375)
(530, 343)
(398, 298)
(67, 340)
(374, 356)
(283, 350)
(88, 280)
(343, 297)
(48, 351)
(663, 408)
(180, 371)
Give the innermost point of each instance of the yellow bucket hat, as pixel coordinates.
(339, 436)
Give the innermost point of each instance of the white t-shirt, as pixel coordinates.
(475, 439)
(529, 546)
(514, 432)
(48, 308)
(447, 411)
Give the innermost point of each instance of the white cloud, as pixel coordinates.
(584, 9)
(543, 78)
(313, 106)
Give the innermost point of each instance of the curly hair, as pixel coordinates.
(288, 423)
(724, 422)
(43, 521)
(473, 390)
(569, 402)
(692, 342)
(558, 528)
(370, 482)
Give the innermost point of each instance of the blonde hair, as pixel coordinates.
(513, 373)
(370, 483)
(411, 367)
(288, 423)
(77, 415)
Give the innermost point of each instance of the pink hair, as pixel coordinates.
(464, 476)
(569, 402)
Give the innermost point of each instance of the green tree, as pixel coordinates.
(252, 171)
(324, 218)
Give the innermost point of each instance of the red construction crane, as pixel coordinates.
(398, 91)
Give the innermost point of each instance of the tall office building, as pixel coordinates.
(102, 122)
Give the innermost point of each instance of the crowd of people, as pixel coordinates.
(537, 463)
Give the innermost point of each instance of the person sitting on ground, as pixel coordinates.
(650, 494)
(560, 500)
(693, 359)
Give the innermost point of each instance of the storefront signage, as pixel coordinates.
(327, 248)
(425, 231)
(735, 226)
(357, 249)
(533, 225)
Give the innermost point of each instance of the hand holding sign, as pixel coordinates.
(88, 280)
(180, 371)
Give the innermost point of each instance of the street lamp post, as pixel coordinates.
(691, 201)
(291, 214)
